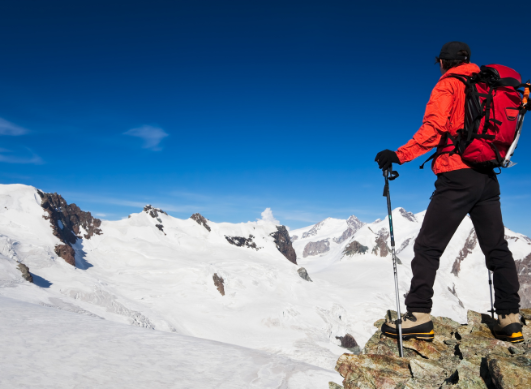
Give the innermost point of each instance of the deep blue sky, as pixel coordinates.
(229, 107)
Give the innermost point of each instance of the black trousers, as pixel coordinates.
(457, 194)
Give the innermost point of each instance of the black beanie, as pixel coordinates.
(451, 49)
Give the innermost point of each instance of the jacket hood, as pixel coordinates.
(467, 69)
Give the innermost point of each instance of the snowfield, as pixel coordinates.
(271, 329)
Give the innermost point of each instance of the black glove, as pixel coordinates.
(386, 158)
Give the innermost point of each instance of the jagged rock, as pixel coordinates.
(355, 247)
(333, 385)
(313, 230)
(283, 243)
(354, 224)
(403, 245)
(381, 247)
(408, 215)
(201, 220)
(304, 274)
(219, 282)
(372, 371)
(160, 227)
(153, 212)
(523, 267)
(460, 356)
(512, 372)
(452, 291)
(67, 220)
(469, 246)
(66, 252)
(25, 272)
(316, 248)
(242, 242)
(349, 343)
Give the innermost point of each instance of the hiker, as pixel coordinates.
(460, 189)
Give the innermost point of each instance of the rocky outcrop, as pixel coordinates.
(219, 282)
(240, 241)
(160, 227)
(355, 247)
(470, 245)
(460, 356)
(284, 245)
(25, 272)
(523, 268)
(316, 248)
(349, 343)
(304, 274)
(201, 220)
(403, 245)
(68, 222)
(313, 231)
(153, 212)
(354, 224)
(407, 215)
(66, 252)
(381, 248)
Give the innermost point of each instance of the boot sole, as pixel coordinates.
(516, 337)
(427, 336)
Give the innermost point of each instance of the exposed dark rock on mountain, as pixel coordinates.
(461, 356)
(523, 268)
(469, 246)
(304, 274)
(160, 227)
(67, 222)
(25, 272)
(153, 212)
(349, 343)
(201, 220)
(284, 245)
(313, 230)
(403, 245)
(316, 248)
(66, 252)
(355, 247)
(408, 215)
(242, 242)
(381, 247)
(354, 224)
(219, 282)
(452, 291)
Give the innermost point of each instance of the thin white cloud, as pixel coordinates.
(10, 129)
(152, 136)
(33, 160)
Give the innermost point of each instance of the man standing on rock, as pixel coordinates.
(460, 190)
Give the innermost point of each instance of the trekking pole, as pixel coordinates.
(490, 293)
(390, 175)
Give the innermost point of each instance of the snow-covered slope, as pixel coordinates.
(45, 348)
(165, 274)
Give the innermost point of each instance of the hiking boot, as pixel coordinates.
(416, 325)
(509, 328)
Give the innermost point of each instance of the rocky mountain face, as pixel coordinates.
(316, 248)
(461, 356)
(283, 243)
(68, 222)
(201, 220)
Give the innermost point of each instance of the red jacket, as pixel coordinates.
(445, 112)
